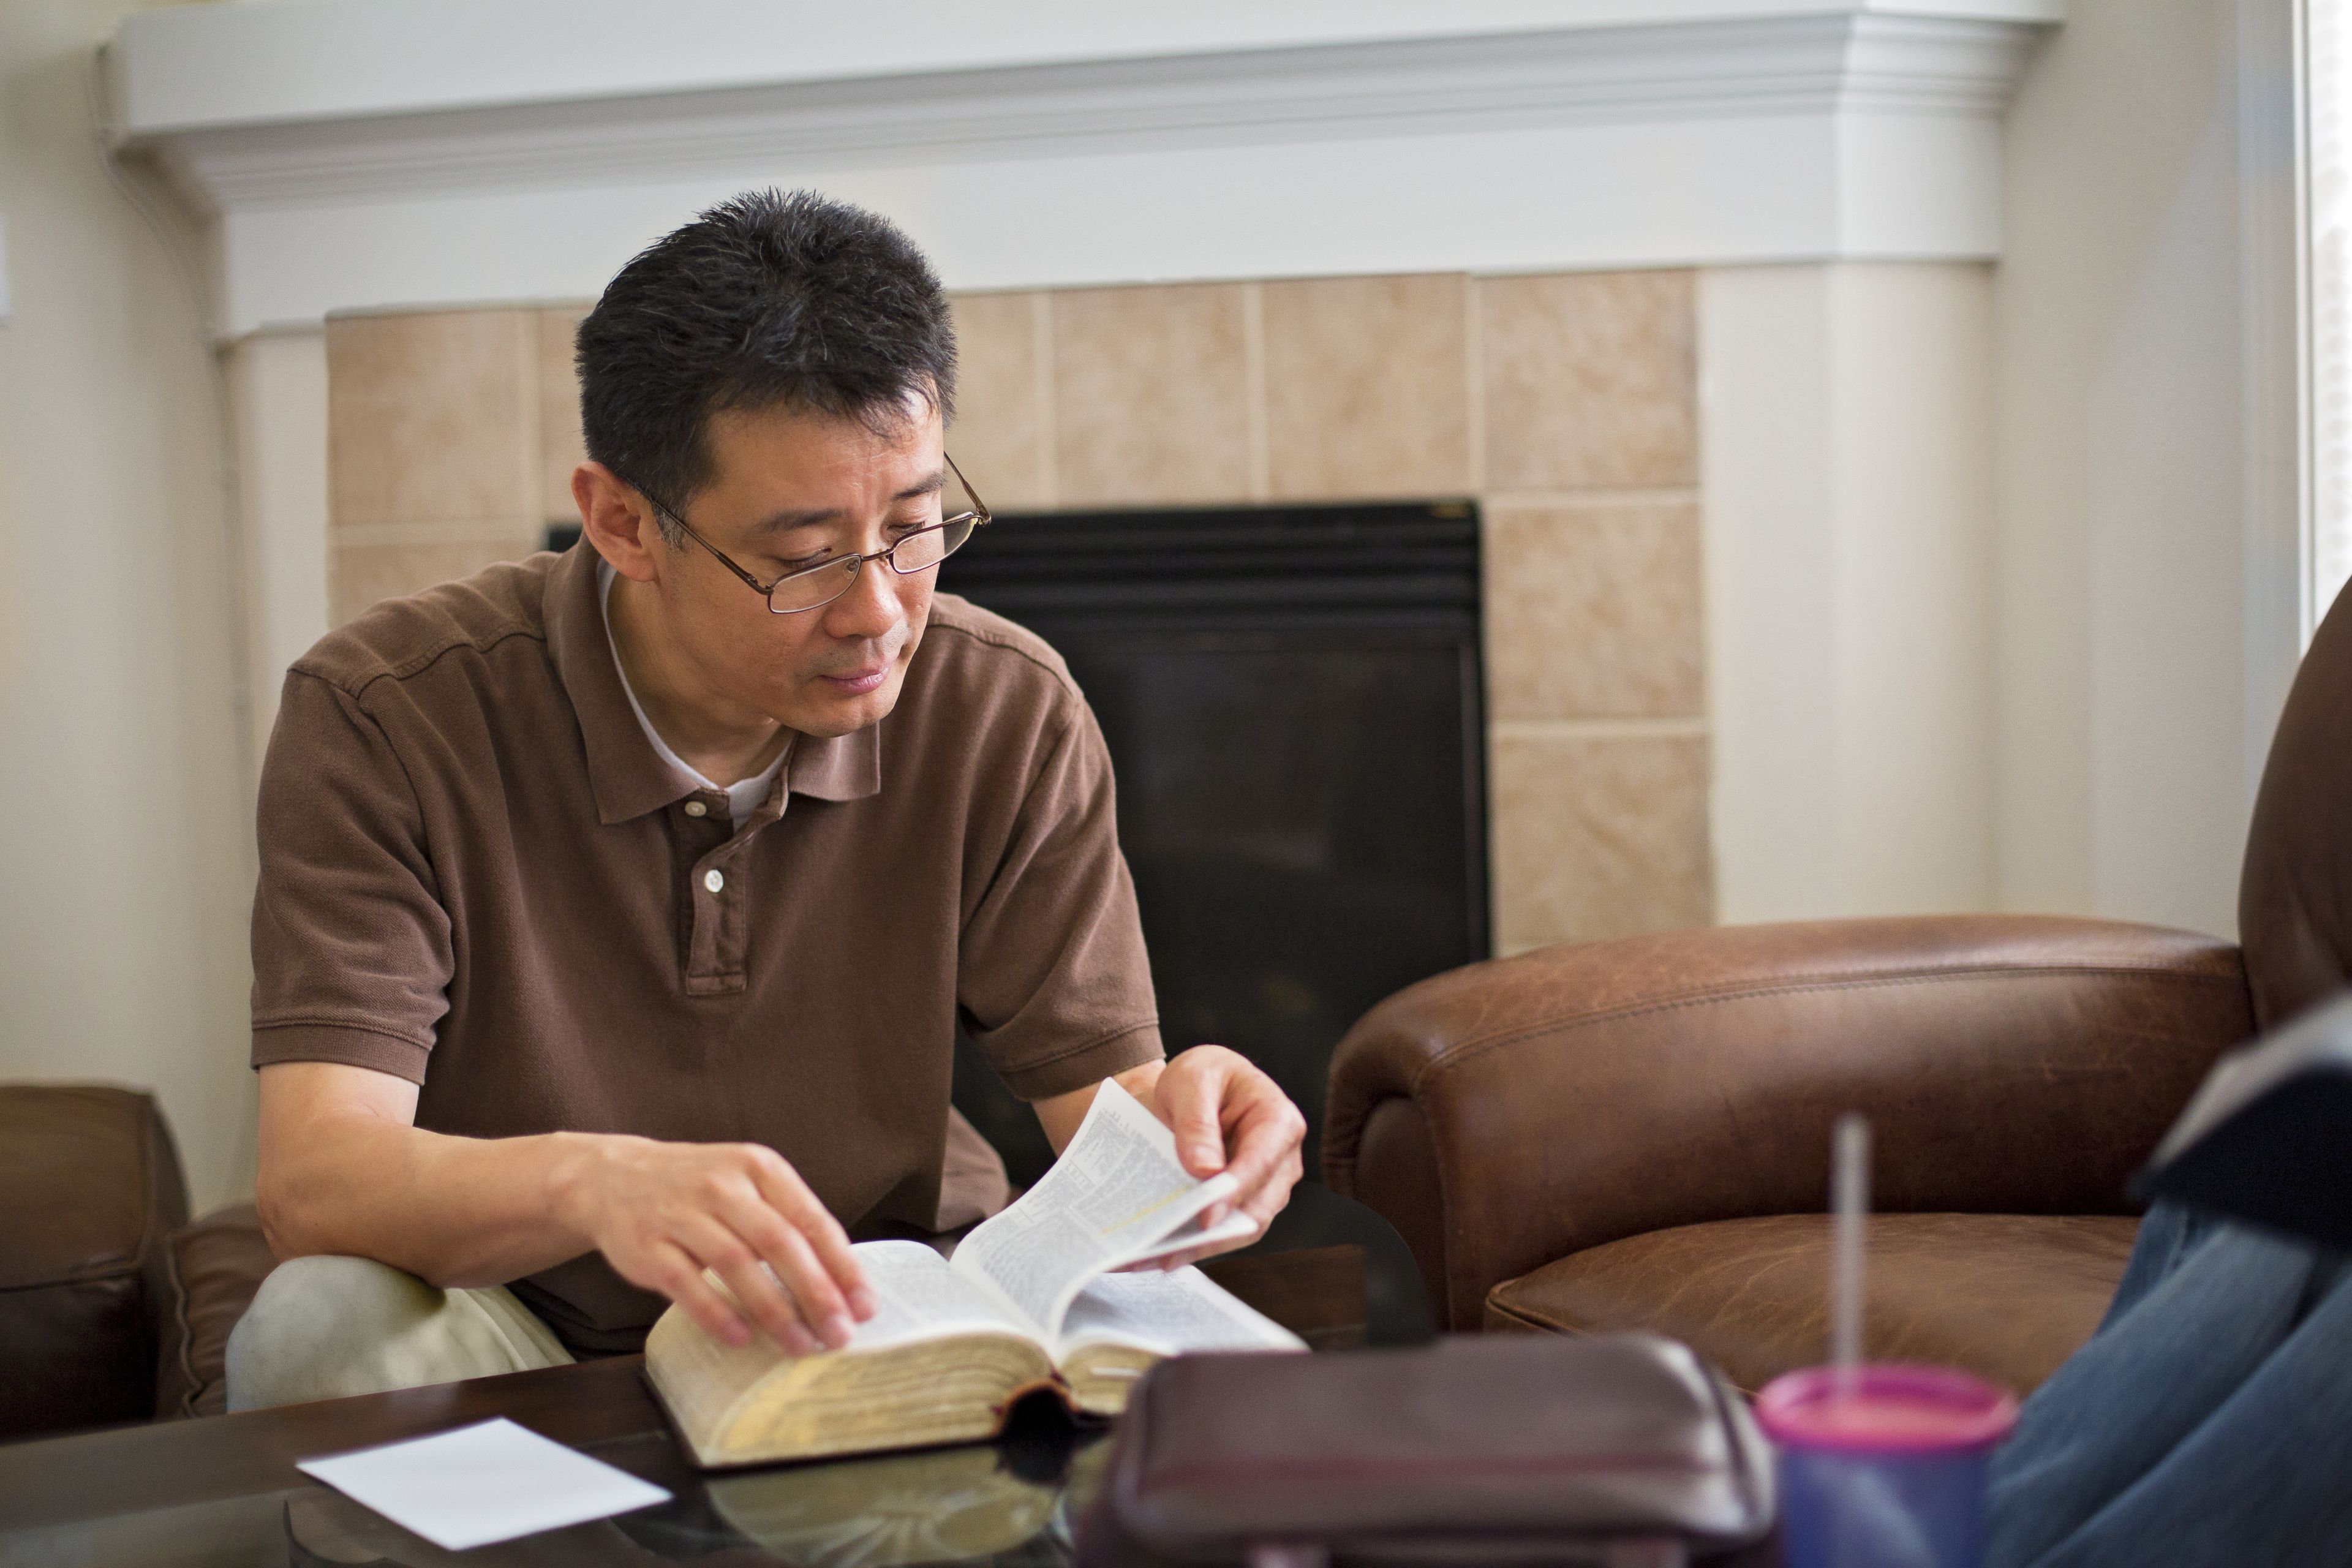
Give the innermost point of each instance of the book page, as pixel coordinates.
(2262, 1139)
(917, 1296)
(1115, 1193)
(1234, 1226)
(1180, 1309)
(2318, 1039)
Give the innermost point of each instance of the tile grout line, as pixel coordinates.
(1474, 435)
(1599, 729)
(531, 450)
(334, 551)
(1261, 457)
(1705, 536)
(1570, 499)
(1474, 371)
(1049, 451)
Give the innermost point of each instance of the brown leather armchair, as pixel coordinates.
(112, 1306)
(1636, 1133)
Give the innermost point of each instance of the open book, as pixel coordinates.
(1026, 1304)
(2265, 1137)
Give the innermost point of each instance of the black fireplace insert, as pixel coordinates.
(1294, 703)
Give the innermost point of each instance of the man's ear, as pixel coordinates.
(618, 520)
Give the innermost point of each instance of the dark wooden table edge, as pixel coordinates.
(176, 1463)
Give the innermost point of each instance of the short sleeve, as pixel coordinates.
(352, 950)
(1052, 976)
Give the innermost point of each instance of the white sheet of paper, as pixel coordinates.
(490, 1481)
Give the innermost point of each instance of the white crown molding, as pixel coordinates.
(312, 61)
(1797, 65)
(1870, 125)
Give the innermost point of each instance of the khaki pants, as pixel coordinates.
(321, 1328)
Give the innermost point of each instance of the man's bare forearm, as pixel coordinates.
(346, 1170)
(343, 1170)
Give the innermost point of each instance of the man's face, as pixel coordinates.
(790, 489)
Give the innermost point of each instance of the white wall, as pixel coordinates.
(1849, 513)
(278, 407)
(2124, 629)
(125, 872)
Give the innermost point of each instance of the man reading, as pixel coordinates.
(617, 910)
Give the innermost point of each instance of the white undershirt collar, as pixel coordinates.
(744, 798)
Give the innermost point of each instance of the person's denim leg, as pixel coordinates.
(2213, 1405)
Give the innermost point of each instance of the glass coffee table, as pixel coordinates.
(1013, 1500)
(224, 1490)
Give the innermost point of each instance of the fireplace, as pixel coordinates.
(1293, 698)
(1700, 612)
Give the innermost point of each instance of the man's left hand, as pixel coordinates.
(1228, 1116)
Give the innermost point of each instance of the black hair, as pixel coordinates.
(769, 299)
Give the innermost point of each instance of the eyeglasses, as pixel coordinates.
(814, 587)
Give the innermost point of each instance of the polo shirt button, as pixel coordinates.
(696, 809)
(714, 879)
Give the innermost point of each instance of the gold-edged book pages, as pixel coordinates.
(1026, 1303)
(756, 1404)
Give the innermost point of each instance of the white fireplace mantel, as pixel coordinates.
(372, 154)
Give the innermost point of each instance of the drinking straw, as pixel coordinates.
(1850, 1202)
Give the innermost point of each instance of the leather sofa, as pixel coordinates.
(113, 1308)
(1636, 1133)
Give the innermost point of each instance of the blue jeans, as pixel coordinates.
(2207, 1421)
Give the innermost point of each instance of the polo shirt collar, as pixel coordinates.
(837, 767)
(627, 776)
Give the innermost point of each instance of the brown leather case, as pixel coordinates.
(1615, 1448)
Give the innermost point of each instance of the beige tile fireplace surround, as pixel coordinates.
(1566, 405)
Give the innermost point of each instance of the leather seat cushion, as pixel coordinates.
(2008, 1296)
(92, 1183)
(214, 1268)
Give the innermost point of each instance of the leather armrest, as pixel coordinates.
(91, 1186)
(1510, 1114)
(216, 1268)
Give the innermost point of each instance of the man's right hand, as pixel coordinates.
(345, 1169)
(662, 1213)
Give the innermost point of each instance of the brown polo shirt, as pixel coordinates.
(477, 874)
